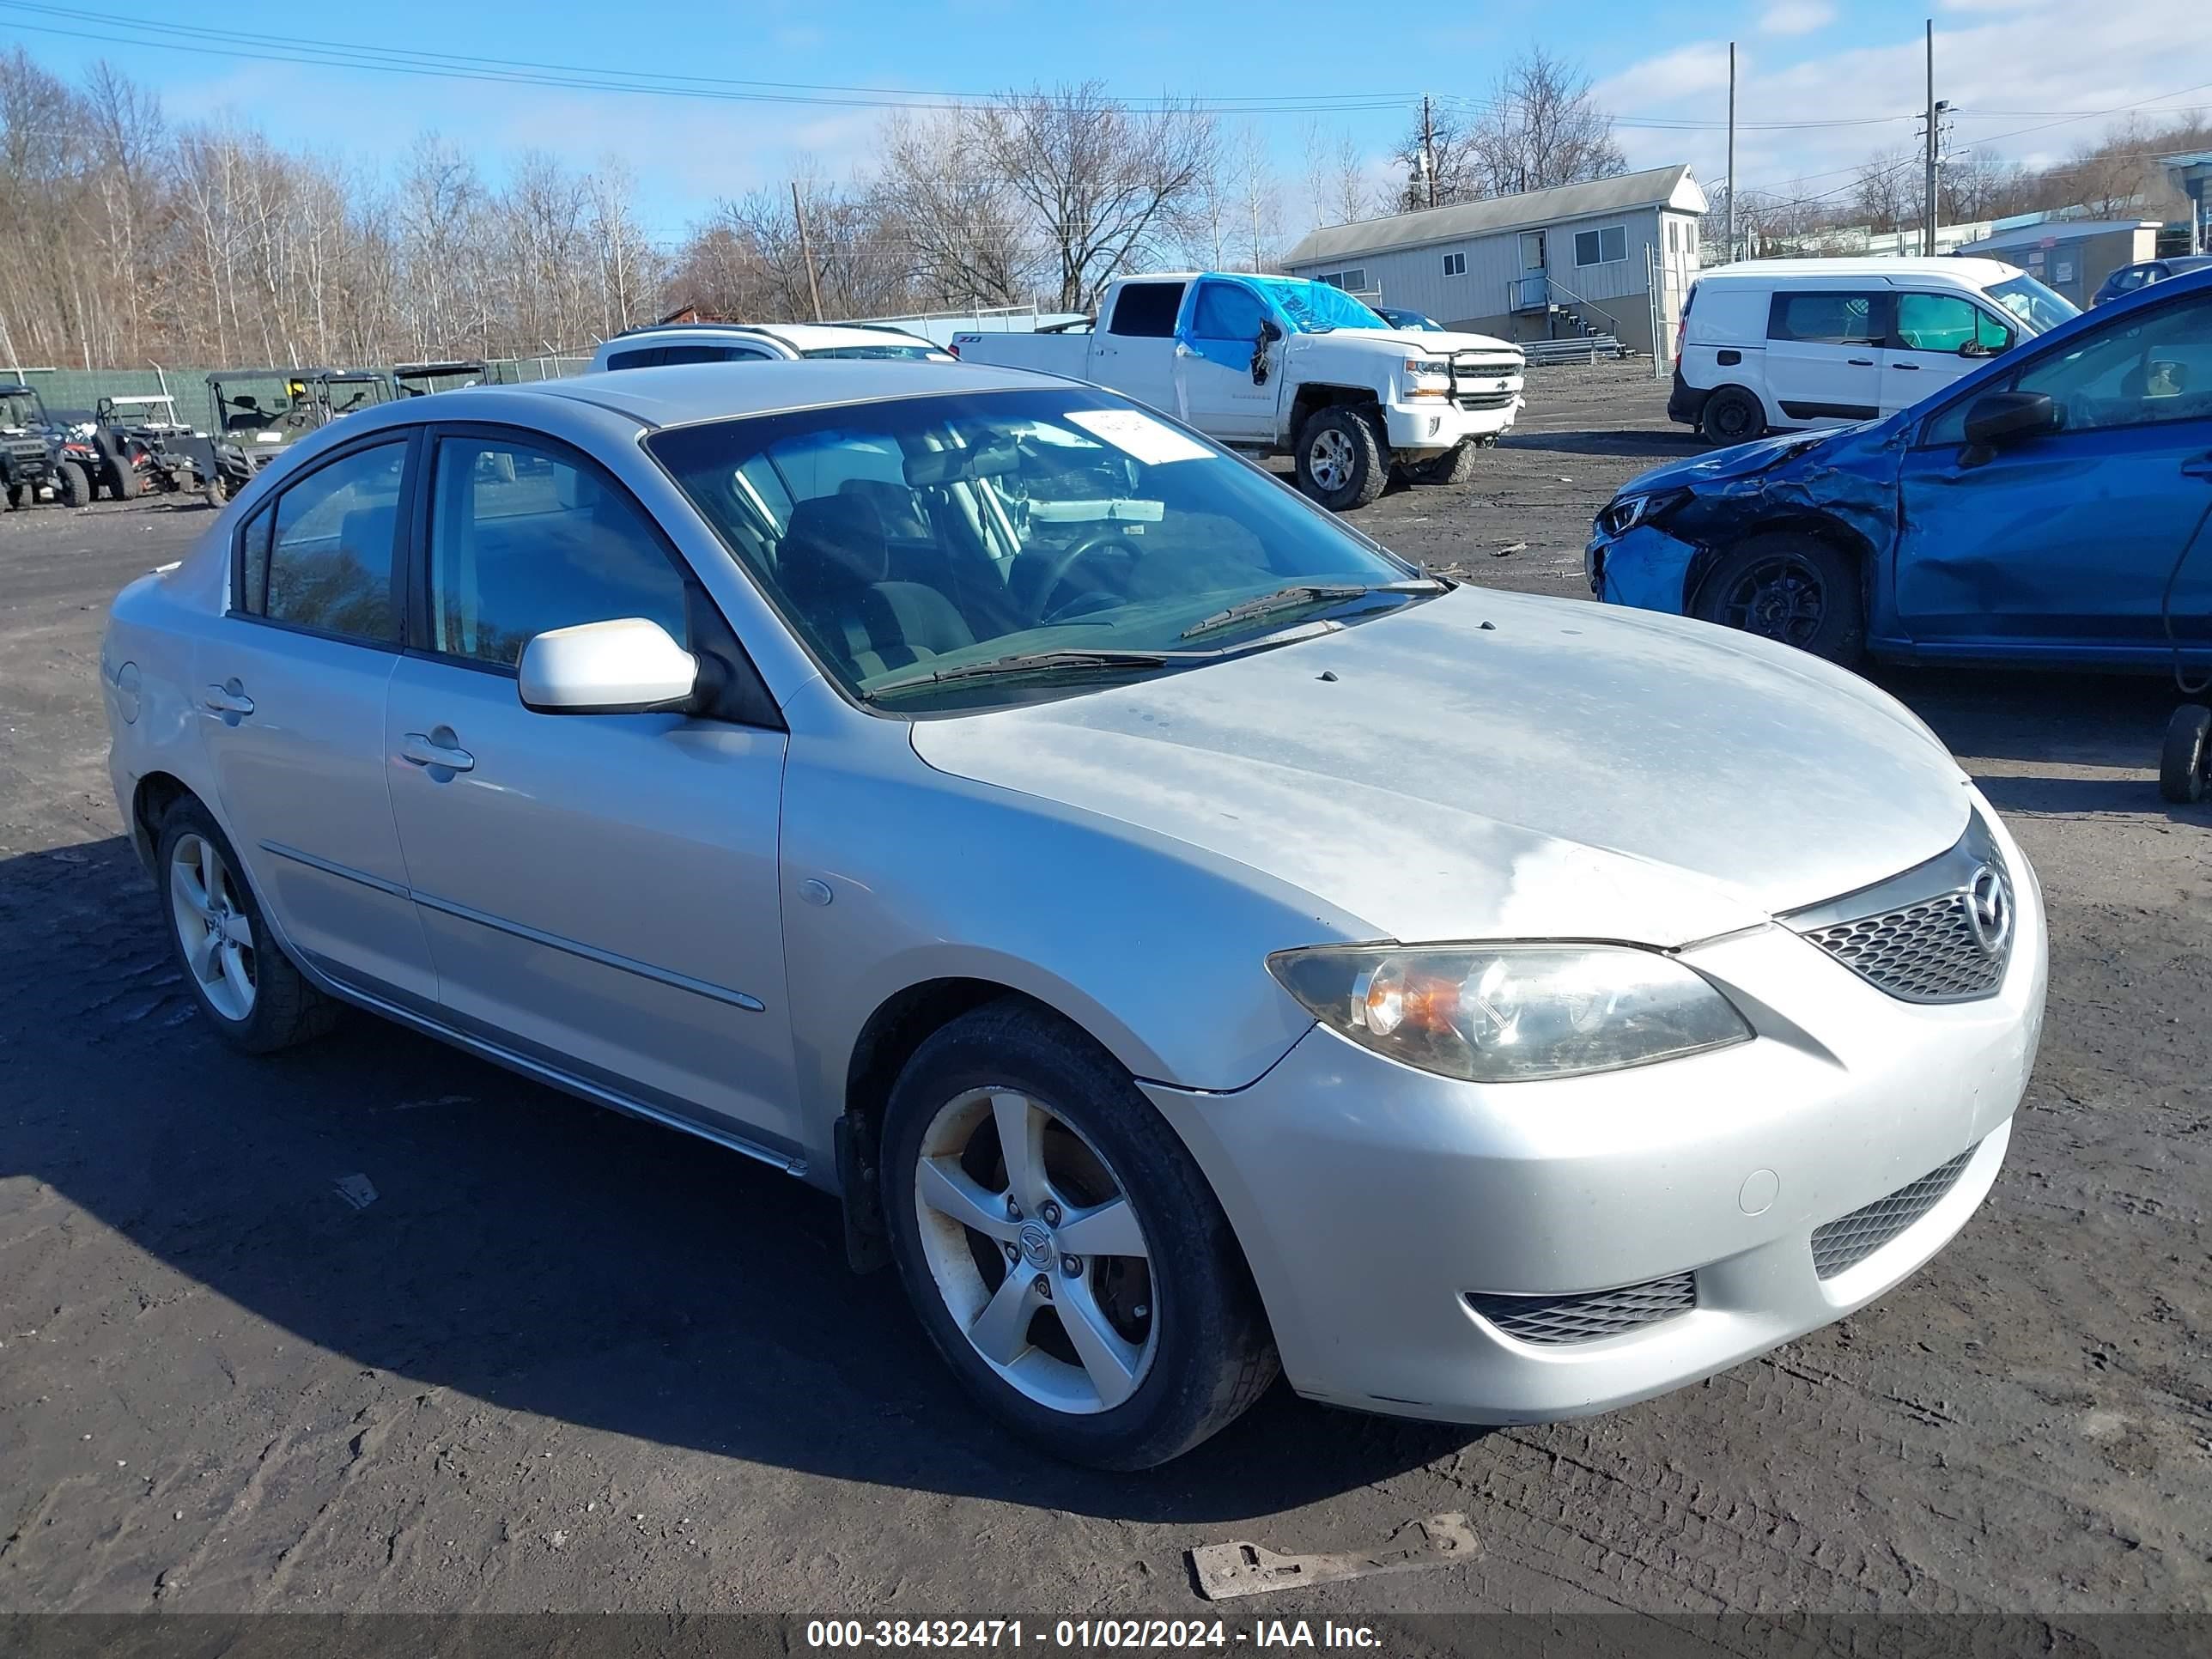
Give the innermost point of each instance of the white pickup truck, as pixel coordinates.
(1281, 366)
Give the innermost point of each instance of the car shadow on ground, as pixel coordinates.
(536, 1252)
(1632, 443)
(2059, 721)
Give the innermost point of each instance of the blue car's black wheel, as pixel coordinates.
(2181, 764)
(1792, 587)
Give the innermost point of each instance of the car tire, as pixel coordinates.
(1731, 416)
(1790, 586)
(244, 984)
(19, 495)
(218, 491)
(1340, 460)
(72, 485)
(2182, 762)
(1175, 1345)
(1456, 465)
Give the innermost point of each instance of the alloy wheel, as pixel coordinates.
(1037, 1251)
(1779, 598)
(1329, 458)
(212, 927)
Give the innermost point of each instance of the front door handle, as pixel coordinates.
(2199, 468)
(230, 699)
(1860, 362)
(419, 749)
(1915, 367)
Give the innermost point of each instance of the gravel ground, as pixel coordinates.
(568, 1361)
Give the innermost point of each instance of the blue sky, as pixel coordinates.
(2018, 69)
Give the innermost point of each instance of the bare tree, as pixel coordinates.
(1887, 189)
(1104, 185)
(963, 231)
(1540, 128)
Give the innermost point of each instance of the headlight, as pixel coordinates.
(1625, 513)
(1507, 1013)
(1428, 377)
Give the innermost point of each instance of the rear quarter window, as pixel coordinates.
(1829, 317)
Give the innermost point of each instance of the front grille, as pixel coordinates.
(1585, 1316)
(1844, 1243)
(1485, 399)
(1925, 952)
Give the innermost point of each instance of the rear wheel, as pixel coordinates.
(1455, 465)
(1063, 1252)
(1731, 416)
(2183, 763)
(245, 985)
(1340, 460)
(74, 485)
(1790, 587)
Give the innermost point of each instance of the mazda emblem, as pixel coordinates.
(1989, 911)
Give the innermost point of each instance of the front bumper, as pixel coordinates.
(1372, 1200)
(1646, 567)
(1438, 423)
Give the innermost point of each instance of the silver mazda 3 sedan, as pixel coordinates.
(1191, 941)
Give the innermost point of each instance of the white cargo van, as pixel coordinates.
(1773, 344)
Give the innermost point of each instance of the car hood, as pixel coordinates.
(1739, 460)
(1426, 342)
(1489, 765)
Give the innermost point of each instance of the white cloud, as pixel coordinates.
(1796, 17)
(1699, 67)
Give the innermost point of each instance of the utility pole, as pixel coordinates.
(1928, 213)
(1731, 154)
(1429, 149)
(805, 250)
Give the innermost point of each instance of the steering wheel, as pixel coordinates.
(1056, 572)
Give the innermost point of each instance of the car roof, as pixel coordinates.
(1975, 272)
(799, 337)
(679, 394)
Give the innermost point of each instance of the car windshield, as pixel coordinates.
(1316, 307)
(19, 411)
(1065, 528)
(916, 353)
(274, 402)
(2041, 308)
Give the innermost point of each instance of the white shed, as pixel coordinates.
(1546, 264)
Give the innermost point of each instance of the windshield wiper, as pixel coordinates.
(1300, 594)
(1029, 662)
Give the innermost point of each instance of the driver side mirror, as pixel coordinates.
(626, 666)
(1270, 331)
(2000, 418)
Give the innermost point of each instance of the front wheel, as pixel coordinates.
(73, 484)
(2184, 761)
(19, 495)
(1063, 1252)
(217, 490)
(1341, 462)
(1790, 587)
(1454, 466)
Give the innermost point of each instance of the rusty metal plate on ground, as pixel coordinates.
(1227, 1570)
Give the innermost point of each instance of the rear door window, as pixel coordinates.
(323, 560)
(1147, 310)
(1830, 317)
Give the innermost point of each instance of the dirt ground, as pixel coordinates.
(564, 1360)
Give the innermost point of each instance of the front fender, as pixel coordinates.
(1156, 948)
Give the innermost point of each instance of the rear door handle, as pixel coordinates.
(230, 699)
(1915, 367)
(418, 749)
(2199, 468)
(1860, 362)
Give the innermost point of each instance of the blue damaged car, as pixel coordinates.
(2053, 507)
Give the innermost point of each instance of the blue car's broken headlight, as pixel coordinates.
(1624, 512)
